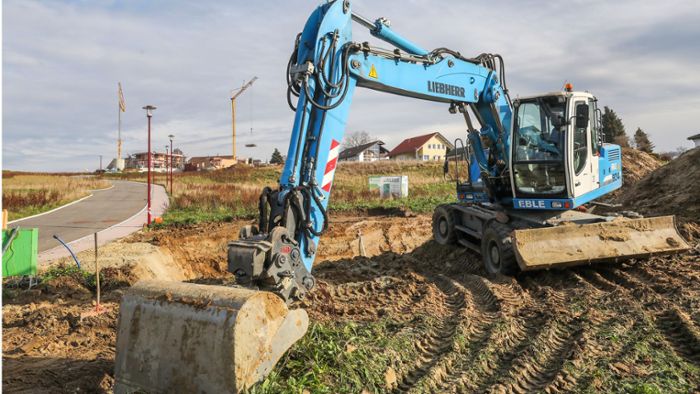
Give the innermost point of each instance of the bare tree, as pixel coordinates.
(356, 138)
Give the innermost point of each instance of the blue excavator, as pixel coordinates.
(525, 170)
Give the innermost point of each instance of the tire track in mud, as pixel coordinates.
(555, 338)
(436, 343)
(542, 362)
(677, 330)
(681, 293)
(503, 325)
(370, 299)
(481, 312)
(538, 332)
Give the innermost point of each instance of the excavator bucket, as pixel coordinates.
(572, 244)
(190, 338)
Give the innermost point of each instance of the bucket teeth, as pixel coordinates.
(576, 244)
(181, 337)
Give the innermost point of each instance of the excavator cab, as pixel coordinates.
(559, 163)
(558, 160)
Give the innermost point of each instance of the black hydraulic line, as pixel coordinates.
(263, 203)
(302, 125)
(344, 77)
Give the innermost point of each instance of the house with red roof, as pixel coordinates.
(428, 147)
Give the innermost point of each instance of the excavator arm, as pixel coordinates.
(325, 68)
(181, 337)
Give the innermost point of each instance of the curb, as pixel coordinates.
(83, 243)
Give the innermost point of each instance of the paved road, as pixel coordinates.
(104, 209)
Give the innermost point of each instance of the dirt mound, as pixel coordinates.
(539, 332)
(670, 189)
(636, 165)
(425, 315)
(48, 348)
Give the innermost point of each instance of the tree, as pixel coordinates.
(613, 128)
(356, 138)
(641, 141)
(276, 157)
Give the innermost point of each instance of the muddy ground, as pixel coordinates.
(546, 331)
(599, 329)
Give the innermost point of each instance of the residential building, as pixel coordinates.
(428, 147)
(160, 161)
(371, 151)
(696, 139)
(206, 163)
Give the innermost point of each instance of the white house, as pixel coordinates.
(696, 139)
(371, 151)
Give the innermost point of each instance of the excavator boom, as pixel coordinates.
(178, 337)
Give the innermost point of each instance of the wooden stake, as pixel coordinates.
(4, 219)
(97, 274)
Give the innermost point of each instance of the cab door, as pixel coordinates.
(583, 163)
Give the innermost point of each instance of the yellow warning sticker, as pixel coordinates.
(373, 72)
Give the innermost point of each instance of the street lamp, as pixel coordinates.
(171, 163)
(166, 167)
(149, 114)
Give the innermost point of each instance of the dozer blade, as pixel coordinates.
(189, 338)
(576, 244)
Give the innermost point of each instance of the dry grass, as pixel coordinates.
(26, 194)
(233, 193)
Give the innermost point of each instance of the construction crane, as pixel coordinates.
(234, 95)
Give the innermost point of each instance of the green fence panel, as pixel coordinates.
(20, 257)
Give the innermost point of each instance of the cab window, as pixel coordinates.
(580, 144)
(595, 126)
(538, 143)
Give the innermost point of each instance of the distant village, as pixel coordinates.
(428, 147)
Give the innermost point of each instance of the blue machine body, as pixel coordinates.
(328, 66)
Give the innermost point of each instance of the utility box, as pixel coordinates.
(19, 258)
(389, 186)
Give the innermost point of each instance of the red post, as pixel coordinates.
(171, 163)
(149, 113)
(149, 170)
(167, 172)
(171, 167)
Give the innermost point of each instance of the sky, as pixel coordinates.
(62, 61)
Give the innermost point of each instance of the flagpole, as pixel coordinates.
(119, 132)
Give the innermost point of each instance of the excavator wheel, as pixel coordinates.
(444, 221)
(497, 250)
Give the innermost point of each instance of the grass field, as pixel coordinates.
(26, 194)
(233, 193)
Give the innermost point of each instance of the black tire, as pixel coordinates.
(497, 250)
(444, 225)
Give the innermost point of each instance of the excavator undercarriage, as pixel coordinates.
(526, 175)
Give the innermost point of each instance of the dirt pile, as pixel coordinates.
(670, 189)
(538, 332)
(636, 165)
(47, 347)
(443, 322)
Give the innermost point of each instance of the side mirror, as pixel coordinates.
(582, 116)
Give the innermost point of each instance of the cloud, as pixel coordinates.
(62, 61)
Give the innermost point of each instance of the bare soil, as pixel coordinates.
(672, 189)
(548, 331)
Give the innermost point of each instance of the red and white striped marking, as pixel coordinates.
(330, 166)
